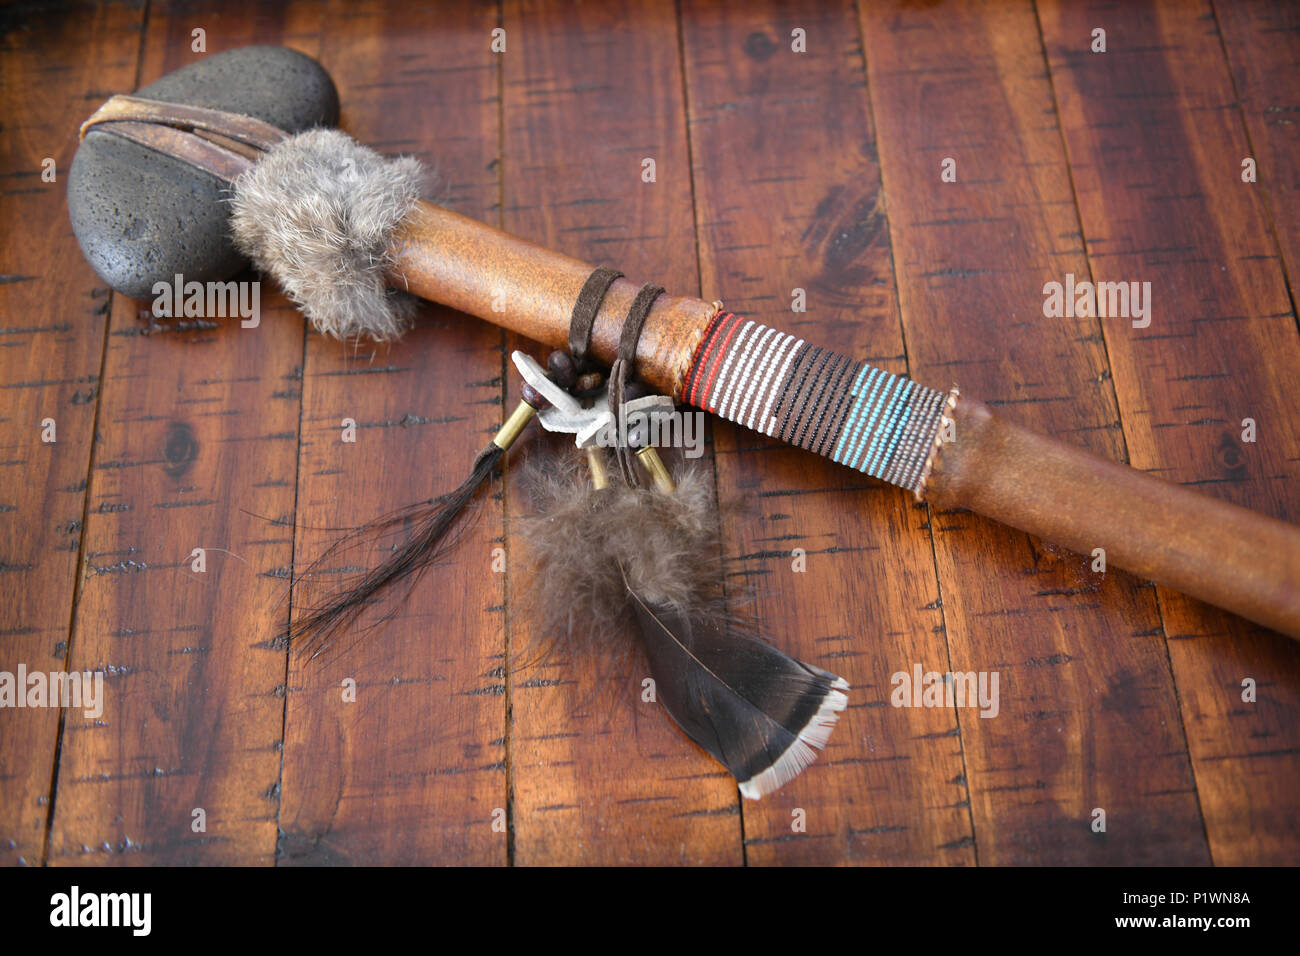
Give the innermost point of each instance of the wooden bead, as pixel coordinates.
(533, 397)
(561, 368)
(590, 383)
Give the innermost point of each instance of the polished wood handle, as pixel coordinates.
(508, 281)
(1209, 549)
(1215, 551)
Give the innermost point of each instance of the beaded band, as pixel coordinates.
(853, 413)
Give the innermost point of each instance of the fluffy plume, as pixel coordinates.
(667, 545)
(317, 213)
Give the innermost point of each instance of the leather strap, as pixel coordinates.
(623, 365)
(223, 144)
(585, 309)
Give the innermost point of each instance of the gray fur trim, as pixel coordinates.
(317, 213)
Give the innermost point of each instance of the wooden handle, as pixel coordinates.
(1209, 549)
(528, 289)
(1206, 548)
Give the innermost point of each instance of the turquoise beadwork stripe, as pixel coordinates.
(874, 401)
(859, 395)
(872, 432)
(881, 430)
(876, 468)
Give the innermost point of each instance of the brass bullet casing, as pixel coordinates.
(519, 418)
(596, 465)
(652, 463)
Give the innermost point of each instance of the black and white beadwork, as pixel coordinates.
(851, 412)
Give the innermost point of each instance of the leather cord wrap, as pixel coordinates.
(585, 309)
(628, 337)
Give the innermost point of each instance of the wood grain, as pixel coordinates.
(51, 348)
(1156, 138)
(1262, 41)
(774, 170)
(196, 448)
(785, 201)
(413, 770)
(600, 777)
(1080, 657)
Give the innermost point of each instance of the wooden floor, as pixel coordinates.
(775, 170)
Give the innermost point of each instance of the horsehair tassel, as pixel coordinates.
(297, 223)
(313, 632)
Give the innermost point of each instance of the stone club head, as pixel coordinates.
(142, 217)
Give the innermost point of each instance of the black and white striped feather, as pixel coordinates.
(761, 714)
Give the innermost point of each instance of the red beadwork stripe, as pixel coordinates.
(718, 359)
(710, 356)
(697, 363)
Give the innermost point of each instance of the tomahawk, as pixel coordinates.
(345, 233)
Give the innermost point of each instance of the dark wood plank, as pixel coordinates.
(198, 427)
(1262, 40)
(1155, 137)
(1088, 716)
(599, 777)
(413, 771)
(788, 196)
(195, 447)
(51, 347)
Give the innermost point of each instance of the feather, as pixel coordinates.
(619, 569)
(757, 711)
(576, 535)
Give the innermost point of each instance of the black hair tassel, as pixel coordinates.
(430, 522)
